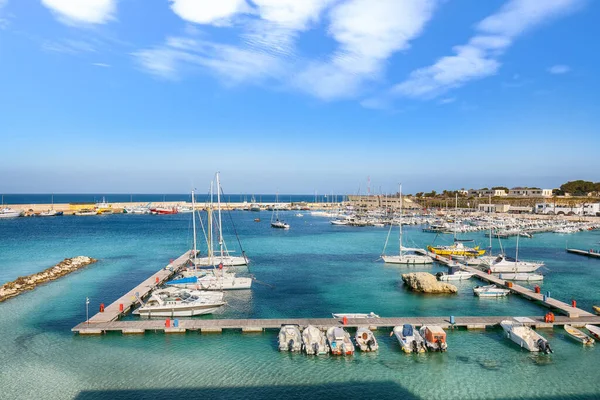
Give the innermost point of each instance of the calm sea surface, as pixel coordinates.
(311, 270)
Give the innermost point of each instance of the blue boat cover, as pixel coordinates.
(182, 281)
(407, 330)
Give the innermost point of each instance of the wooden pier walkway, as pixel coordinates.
(568, 309)
(588, 253)
(131, 299)
(259, 325)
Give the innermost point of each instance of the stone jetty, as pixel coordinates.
(23, 283)
(425, 282)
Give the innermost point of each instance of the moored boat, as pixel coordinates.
(176, 302)
(526, 337)
(290, 338)
(9, 213)
(435, 337)
(456, 276)
(355, 315)
(504, 264)
(365, 340)
(521, 276)
(339, 341)
(314, 341)
(410, 340)
(280, 224)
(456, 249)
(490, 291)
(594, 330)
(578, 335)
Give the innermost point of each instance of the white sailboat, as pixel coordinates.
(504, 264)
(406, 256)
(275, 221)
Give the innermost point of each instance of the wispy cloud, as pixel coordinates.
(479, 58)
(559, 69)
(69, 46)
(82, 11)
(102, 65)
(447, 100)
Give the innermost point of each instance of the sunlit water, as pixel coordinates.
(311, 270)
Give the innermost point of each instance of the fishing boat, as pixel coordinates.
(522, 276)
(579, 336)
(314, 341)
(175, 302)
(339, 341)
(365, 340)
(85, 212)
(103, 207)
(525, 337)
(163, 211)
(355, 315)
(456, 276)
(457, 249)
(410, 340)
(435, 337)
(50, 213)
(490, 291)
(290, 338)
(594, 331)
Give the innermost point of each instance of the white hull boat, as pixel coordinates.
(365, 340)
(290, 338)
(175, 302)
(314, 341)
(501, 264)
(435, 337)
(594, 331)
(409, 338)
(339, 342)
(9, 213)
(408, 259)
(217, 280)
(456, 276)
(490, 291)
(525, 337)
(522, 276)
(579, 336)
(355, 315)
(339, 222)
(226, 261)
(280, 225)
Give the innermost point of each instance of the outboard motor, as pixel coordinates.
(316, 348)
(291, 345)
(544, 346)
(369, 344)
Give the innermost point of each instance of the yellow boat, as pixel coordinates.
(597, 309)
(457, 249)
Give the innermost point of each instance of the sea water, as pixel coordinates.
(312, 270)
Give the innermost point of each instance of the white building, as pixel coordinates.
(487, 192)
(523, 192)
(561, 209)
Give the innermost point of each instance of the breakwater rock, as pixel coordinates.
(23, 283)
(425, 282)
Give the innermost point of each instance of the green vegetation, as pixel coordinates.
(580, 187)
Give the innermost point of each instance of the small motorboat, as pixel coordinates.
(299, 215)
(596, 309)
(579, 336)
(365, 340)
(290, 338)
(490, 291)
(314, 341)
(522, 276)
(456, 276)
(594, 331)
(355, 315)
(256, 219)
(339, 341)
(410, 340)
(435, 337)
(525, 337)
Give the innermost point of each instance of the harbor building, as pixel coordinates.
(526, 192)
(372, 202)
(487, 192)
(585, 209)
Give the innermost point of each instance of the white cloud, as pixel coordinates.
(69, 46)
(82, 11)
(479, 57)
(213, 12)
(559, 69)
(102, 65)
(448, 100)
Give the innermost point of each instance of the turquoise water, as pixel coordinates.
(311, 270)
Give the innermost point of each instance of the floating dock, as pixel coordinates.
(567, 309)
(588, 253)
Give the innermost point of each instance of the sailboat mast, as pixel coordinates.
(210, 227)
(401, 217)
(219, 216)
(194, 225)
(517, 251)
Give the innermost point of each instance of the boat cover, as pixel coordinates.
(407, 330)
(191, 279)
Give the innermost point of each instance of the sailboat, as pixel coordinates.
(276, 223)
(52, 212)
(503, 264)
(406, 255)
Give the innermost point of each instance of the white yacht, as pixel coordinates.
(290, 338)
(522, 276)
(456, 276)
(9, 213)
(410, 340)
(365, 340)
(175, 302)
(525, 337)
(354, 315)
(314, 341)
(339, 341)
(504, 264)
(490, 291)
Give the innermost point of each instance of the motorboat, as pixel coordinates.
(579, 336)
(176, 302)
(314, 341)
(522, 276)
(490, 291)
(525, 337)
(163, 211)
(299, 215)
(280, 224)
(594, 331)
(456, 249)
(211, 280)
(290, 338)
(339, 341)
(85, 212)
(365, 340)
(410, 340)
(9, 213)
(434, 336)
(504, 264)
(339, 222)
(355, 315)
(456, 276)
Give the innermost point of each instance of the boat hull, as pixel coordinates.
(178, 312)
(407, 260)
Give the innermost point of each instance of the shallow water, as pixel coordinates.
(311, 270)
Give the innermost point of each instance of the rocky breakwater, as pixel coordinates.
(425, 282)
(23, 283)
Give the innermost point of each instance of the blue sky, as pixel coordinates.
(297, 95)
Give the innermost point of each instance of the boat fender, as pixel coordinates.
(101, 307)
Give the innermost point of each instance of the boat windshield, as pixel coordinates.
(407, 330)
